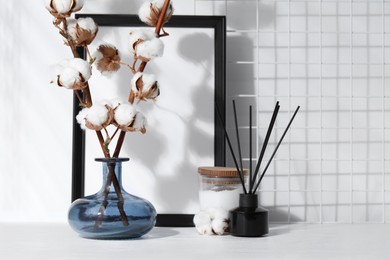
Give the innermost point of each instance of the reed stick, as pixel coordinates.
(238, 140)
(250, 148)
(276, 148)
(265, 143)
(231, 150)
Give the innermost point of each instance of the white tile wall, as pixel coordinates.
(333, 59)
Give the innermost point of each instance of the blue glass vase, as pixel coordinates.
(112, 213)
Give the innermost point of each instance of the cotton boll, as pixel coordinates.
(149, 80)
(82, 66)
(209, 222)
(219, 226)
(68, 77)
(87, 23)
(73, 73)
(204, 229)
(202, 223)
(215, 218)
(82, 31)
(141, 34)
(97, 115)
(144, 12)
(143, 86)
(80, 118)
(124, 114)
(63, 8)
(150, 49)
(150, 12)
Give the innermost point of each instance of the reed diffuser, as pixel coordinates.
(250, 220)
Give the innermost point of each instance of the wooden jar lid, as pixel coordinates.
(224, 172)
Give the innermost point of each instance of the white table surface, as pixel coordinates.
(295, 241)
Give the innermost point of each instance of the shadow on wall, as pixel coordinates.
(242, 15)
(242, 78)
(267, 14)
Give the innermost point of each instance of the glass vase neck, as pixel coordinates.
(112, 165)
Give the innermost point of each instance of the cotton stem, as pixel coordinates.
(111, 178)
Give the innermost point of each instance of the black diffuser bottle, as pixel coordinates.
(248, 220)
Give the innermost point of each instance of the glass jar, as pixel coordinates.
(219, 187)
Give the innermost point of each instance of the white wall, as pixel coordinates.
(330, 57)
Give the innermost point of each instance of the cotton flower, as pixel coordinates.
(150, 11)
(63, 8)
(202, 223)
(148, 50)
(124, 114)
(128, 119)
(144, 86)
(96, 117)
(83, 30)
(137, 36)
(145, 45)
(72, 73)
(204, 229)
(107, 58)
(212, 221)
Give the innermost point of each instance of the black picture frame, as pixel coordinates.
(218, 23)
